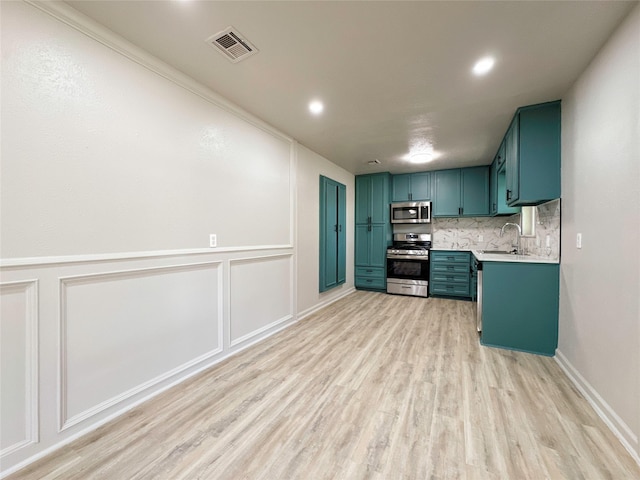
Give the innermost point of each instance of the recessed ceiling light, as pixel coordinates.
(316, 107)
(483, 66)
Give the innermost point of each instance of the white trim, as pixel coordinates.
(103, 257)
(131, 406)
(318, 306)
(64, 422)
(620, 429)
(95, 410)
(275, 323)
(32, 431)
(260, 330)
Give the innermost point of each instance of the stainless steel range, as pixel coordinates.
(408, 264)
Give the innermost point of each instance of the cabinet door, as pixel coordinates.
(500, 156)
(333, 242)
(341, 268)
(421, 186)
(401, 185)
(475, 191)
(371, 246)
(512, 161)
(363, 199)
(379, 199)
(362, 250)
(446, 202)
(493, 187)
(378, 246)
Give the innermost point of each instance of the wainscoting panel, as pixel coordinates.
(261, 295)
(19, 359)
(123, 332)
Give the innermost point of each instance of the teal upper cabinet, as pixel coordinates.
(501, 156)
(532, 150)
(372, 198)
(411, 187)
(498, 189)
(333, 243)
(461, 192)
(446, 201)
(474, 191)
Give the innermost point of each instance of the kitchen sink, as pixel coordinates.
(498, 252)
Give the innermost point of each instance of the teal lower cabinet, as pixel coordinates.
(450, 273)
(520, 304)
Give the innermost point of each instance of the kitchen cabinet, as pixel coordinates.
(333, 243)
(450, 273)
(372, 198)
(411, 187)
(498, 190)
(462, 192)
(532, 151)
(373, 230)
(520, 303)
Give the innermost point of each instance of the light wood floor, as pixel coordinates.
(374, 386)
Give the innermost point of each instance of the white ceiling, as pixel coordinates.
(392, 74)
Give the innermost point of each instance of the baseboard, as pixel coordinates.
(619, 428)
(207, 363)
(324, 303)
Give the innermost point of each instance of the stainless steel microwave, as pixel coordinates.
(411, 212)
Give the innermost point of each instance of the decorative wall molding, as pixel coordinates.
(271, 325)
(259, 331)
(620, 429)
(105, 257)
(31, 299)
(65, 422)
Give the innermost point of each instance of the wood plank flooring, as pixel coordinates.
(374, 386)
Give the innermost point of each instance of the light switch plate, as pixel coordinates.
(579, 240)
(213, 240)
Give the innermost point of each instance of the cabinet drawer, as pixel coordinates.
(450, 289)
(451, 257)
(368, 282)
(450, 278)
(449, 268)
(376, 272)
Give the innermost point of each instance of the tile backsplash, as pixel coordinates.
(483, 233)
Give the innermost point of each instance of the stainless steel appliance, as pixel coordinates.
(411, 212)
(478, 267)
(408, 264)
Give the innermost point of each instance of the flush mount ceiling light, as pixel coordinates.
(483, 66)
(422, 157)
(316, 107)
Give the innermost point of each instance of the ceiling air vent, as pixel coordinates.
(232, 44)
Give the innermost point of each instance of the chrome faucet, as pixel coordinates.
(518, 235)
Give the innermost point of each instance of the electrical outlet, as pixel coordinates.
(213, 240)
(480, 238)
(579, 240)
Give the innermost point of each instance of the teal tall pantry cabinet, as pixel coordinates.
(333, 233)
(373, 231)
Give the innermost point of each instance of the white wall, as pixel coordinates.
(115, 170)
(310, 167)
(599, 337)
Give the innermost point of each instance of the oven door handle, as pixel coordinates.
(420, 258)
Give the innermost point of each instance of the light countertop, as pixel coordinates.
(495, 257)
